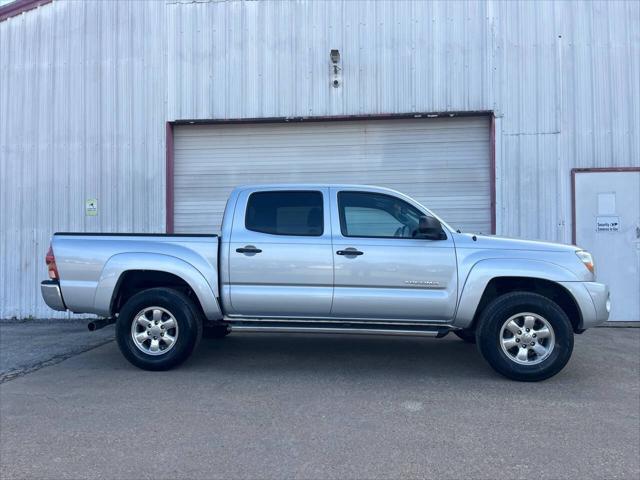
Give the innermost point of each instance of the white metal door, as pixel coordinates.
(441, 162)
(608, 225)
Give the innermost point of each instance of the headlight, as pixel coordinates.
(587, 259)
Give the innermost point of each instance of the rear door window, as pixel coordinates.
(286, 213)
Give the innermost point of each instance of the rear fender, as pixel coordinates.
(485, 270)
(121, 263)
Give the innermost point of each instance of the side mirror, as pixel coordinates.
(431, 229)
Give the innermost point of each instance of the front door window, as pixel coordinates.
(376, 215)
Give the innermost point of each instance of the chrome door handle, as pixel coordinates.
(248, 249)
(349, 251)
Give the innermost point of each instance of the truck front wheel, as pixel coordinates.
(525, 336)
(158, 329)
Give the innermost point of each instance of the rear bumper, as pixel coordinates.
(593, 301)
(52, 295)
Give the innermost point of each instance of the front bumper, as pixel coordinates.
(593, 300)
(52, 295)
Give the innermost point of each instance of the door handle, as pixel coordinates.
(248, 249)
(350, 251)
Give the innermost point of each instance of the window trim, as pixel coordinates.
(343, 225)
(246, 213)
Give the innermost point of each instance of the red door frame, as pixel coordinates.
(169, 197)
(574, 171)
(19, 6)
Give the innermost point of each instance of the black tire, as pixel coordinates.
(186, 315)
(468, 336)
(499, 311)
(215, 331)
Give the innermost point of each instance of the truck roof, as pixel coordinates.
(311, 185)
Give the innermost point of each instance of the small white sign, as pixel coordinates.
(607, 224)
(91, 207)
(607, 203)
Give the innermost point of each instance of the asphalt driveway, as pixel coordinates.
(305, 406)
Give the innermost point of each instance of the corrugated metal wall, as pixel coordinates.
(271, 58)
(82, 112)
(85, 89)
(568, 95)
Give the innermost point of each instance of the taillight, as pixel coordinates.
(51, 264)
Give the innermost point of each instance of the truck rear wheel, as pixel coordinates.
(525, 336)
(158, 329)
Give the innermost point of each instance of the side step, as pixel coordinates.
(348, 328)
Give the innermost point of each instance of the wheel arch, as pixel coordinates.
(489, 279)
(499, 286)
(126, 274)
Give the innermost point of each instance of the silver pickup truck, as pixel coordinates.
(330, 259)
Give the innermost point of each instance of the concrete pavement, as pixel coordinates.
(305, 406)
(26, 346)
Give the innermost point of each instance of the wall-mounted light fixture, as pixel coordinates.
(334, 55)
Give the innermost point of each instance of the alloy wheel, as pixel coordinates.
(527, 338)
(154, 331)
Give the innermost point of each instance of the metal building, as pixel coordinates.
(142, 115)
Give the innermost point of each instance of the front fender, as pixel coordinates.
(485, 270)
(121, 263)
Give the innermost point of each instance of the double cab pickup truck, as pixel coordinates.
(330, 259)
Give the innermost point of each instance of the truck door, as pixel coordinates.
(382, 268)
(280, 254)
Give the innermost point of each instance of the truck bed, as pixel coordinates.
(91, 264)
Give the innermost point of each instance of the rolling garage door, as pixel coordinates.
(442, 162)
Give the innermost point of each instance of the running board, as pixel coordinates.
(348, 328)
